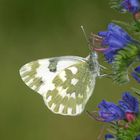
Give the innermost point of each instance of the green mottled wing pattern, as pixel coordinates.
(28, 74)
(73, 87)
(65, 83)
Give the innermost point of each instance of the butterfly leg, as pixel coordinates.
(102, 67)
(102, 75)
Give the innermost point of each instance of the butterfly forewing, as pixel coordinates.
(66, 83)
(38, 76)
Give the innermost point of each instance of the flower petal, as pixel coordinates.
(115, 38)
(110, 112)
(132, 6)
(129, 103)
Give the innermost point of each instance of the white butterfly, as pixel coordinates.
(66, 83)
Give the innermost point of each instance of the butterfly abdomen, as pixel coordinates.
(93, 63)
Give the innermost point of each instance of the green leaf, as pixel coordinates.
(131, 132)
(122, 61)
(137, 91)
(115, 4)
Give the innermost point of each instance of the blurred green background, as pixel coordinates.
(32, 29)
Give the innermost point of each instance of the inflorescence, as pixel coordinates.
(120, 46)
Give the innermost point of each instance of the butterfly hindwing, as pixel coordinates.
(73, 87)
(66, 83)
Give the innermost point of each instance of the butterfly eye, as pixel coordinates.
(53, 66)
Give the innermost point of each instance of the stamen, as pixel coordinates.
(100, 49)
(96, 40)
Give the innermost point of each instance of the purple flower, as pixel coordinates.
(129, 103)
(136, 74)
(137, 138)
(109, 137)
(137, 69)
(110, 112)
(132, 6)
(127, 109)
(115, 38)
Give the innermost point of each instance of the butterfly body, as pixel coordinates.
(65, 83)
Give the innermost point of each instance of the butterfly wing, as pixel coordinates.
(38, 75)
(73, 87)
(66, 83)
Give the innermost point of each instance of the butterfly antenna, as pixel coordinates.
(85, 35)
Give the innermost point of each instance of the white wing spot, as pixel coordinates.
(73, 95)
(74, 81)
(79, 109)
(24, 78)
(80, 96)
(51, 86)
(53, 106)
(87, 90)
(59, 89)
(73, 69)
(62, 76)
(49, 99)
(29, 82)
(69, 111)
(62, 92)
(45, 88)
(44, 62)
(61, 108)
(25, 68)
(68, 95)
(34, 87)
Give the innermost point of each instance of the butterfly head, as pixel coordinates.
(93, 62)
(94, 56)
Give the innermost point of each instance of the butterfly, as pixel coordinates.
(66, 83)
